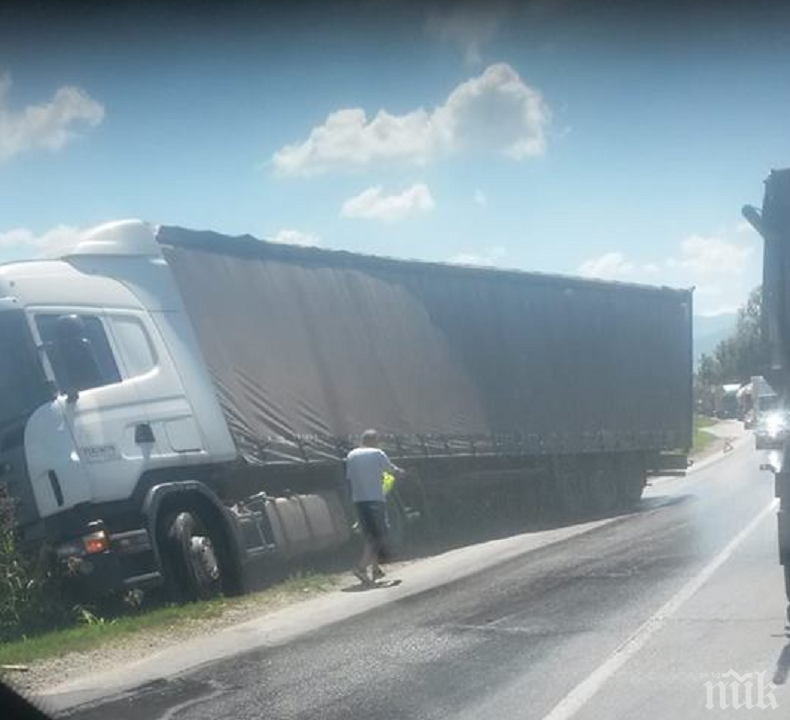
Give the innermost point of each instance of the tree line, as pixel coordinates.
(744, 354)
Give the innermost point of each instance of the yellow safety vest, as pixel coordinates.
(387, 482)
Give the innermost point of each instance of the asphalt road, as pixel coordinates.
(629, 619)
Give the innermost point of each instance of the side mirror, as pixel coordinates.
(76, 360)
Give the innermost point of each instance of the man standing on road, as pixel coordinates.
(364, 468)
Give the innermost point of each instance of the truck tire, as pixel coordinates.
(191, 548)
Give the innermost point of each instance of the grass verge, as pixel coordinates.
(702, 438)
(97, 632)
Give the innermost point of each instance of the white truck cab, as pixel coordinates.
(105, 394)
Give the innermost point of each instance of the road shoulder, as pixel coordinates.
(288, 623)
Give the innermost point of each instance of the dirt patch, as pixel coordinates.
(115, 652)
(131, 647)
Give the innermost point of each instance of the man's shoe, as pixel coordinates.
(378, 573)
(362, 576)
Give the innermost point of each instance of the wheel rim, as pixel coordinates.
(204, 560)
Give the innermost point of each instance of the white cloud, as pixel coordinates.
(488, 257)
(375, 205)
(745, 227)
(468, 26)
(290, 236)
(22, 242)
(493, 112)
(706, 255)
(480, 198)
(48, 126)
(722, 268)
(608, 266)
(615, 266)
(714, 310)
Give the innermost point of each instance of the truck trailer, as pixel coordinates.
(177, 404)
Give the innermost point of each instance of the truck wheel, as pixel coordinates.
(192, 552)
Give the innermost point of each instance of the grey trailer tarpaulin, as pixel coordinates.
(308, 347)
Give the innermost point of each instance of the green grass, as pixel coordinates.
(98, 632)
(702, 438)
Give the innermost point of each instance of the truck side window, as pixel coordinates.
(133, 344)
(99, 368)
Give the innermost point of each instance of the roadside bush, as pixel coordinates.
(30, 598)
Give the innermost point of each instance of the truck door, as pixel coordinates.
(38, 462)
(177, 438)
(107, 418)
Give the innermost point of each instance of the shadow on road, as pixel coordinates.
(487, 524)
(461, 528)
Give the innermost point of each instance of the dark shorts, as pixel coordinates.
(372, 521)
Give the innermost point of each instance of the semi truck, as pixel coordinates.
(726, 401)
(755, 399)
(177, 404)
(772, 222)
(764, 398)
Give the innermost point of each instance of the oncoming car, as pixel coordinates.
(772, 430)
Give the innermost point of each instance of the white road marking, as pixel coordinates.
(577, 698)
(176, 709)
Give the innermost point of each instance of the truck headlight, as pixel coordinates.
(775, 425)
(90, 544)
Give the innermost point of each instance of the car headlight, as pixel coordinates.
(775, 425)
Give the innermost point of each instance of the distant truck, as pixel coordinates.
(756, 399)
(726, 404)
(178, 404)
(764, 397)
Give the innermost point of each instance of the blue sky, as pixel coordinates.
(512, 138)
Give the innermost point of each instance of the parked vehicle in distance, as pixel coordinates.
(757, 398)
(726, 401)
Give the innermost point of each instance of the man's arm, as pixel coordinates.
(388, 465)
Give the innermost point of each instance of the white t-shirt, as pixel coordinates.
(364, 467)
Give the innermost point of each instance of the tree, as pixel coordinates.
(741, 355)
(708, 371)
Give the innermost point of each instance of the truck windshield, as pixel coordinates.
(768, 402)
(23, 385)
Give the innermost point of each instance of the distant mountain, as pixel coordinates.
(709, 331)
